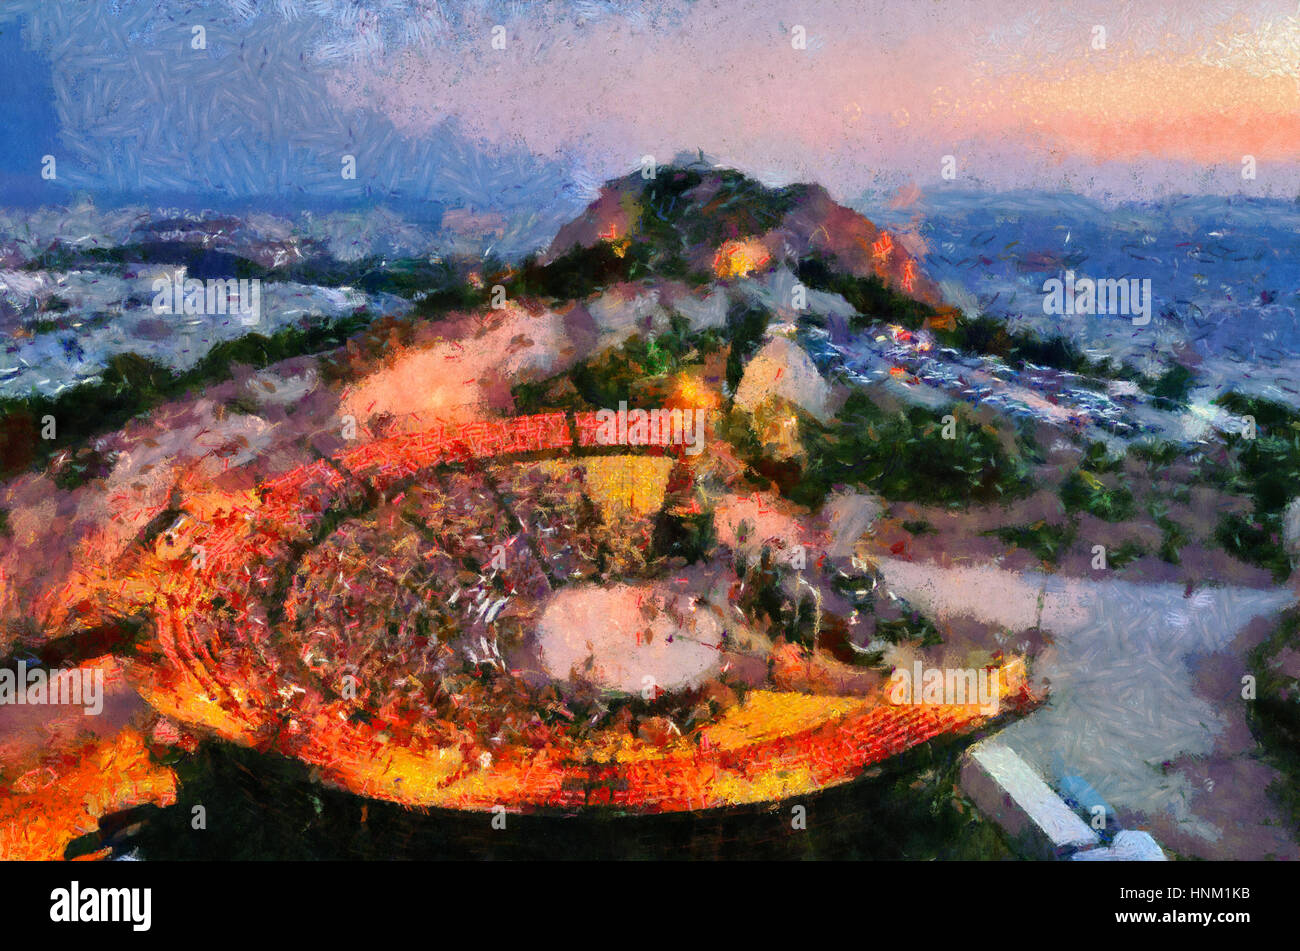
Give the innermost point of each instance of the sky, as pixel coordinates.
(239, 102)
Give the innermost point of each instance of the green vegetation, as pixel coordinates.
(869, 296)
(913, 627)
(1154, 453)
(1267, 470)
(691, 537)
(575, 275)
(1044, 541)
(764, 599)
(1171, 388)
(679, 346)
(745, 328)
(1082, 491)
(660, 245)
(539, 396)
(132, 384)
(667, 226)
(435, 303)
(1269, 415)
(436, 285)
(1128, 552)
(618, 374)
(256, 350)
(1172, 538)
(1274, 714)
(990, 336)
(1097, 458)
(902, 456)
(730, 206)
(77, 468)
(245, 404)
(1255, 540)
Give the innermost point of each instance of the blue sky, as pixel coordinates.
(28, 125)
(1018, 91)
(133, 113)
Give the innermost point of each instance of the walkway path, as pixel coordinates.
(1121, 701)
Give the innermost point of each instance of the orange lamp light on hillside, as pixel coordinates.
(740, 258)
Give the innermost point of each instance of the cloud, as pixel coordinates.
(414, 89)
(1019, 94)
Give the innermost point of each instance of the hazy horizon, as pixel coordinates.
(151, 101)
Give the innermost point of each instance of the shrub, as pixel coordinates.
(1081, 493)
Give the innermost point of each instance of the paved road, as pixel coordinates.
(1122, 700)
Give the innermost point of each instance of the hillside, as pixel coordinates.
(706, 223)
(403, 551)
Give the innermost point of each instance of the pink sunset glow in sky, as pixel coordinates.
(1018, 93)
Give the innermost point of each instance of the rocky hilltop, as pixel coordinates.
(697, 219)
